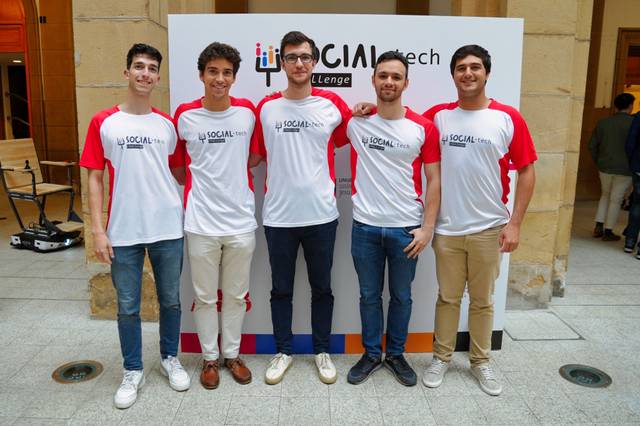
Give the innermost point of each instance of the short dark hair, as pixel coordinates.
(624, 101)
(471, 49)
(296, 38)
(143, 49)
(393, 55)
(216, 51)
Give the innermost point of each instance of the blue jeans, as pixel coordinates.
(126, 272)
(372, 247)
(317, 242)
(633, 227)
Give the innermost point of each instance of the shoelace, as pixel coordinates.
(436, 366)
(128, 381)
(174, 365)
(325, 361)
(277, 361)
(236, 361)
(487, 372)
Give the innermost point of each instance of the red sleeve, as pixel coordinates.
(257, 140)
(177, 159)
(521, 149)
(93, 151)
(430, 151)
(339, 135)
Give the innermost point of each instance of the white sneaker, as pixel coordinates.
(178, 378)
(487, 379)
(434, 374)
(127, 393)
(326, 369)
(278, 365)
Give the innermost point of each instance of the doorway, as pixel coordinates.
(15, 103)
(627, 67)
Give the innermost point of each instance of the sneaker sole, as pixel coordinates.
(278, 379)
(171, 385)
(328, 380)
(354, 382)
(396, 376)
(208, 387)
(628, 249)
(433, 385)
(489, 392)
(125, 406)
(485, 389)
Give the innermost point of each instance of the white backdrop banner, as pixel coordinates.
(348, 47)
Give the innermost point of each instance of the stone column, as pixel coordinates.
(556, 51)
(555, 56)
(103, 33)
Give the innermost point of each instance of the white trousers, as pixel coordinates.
(220, 263)
(613, 189)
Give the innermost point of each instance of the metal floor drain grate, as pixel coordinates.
(77, 372)
(584, 375)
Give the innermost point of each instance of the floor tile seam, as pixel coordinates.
(602, 285)
(591, 306)
(39, 298)
(41, 277)
(476, 399)
(67, 278)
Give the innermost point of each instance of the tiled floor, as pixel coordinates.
(45, 323)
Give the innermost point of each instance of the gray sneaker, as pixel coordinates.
(434, 374)
(487, 379)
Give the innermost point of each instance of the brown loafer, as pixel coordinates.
(239, 370)
(209, 377)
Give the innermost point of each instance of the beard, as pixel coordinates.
(386, 96)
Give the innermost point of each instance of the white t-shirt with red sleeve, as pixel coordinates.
(214, 148)
(297, 137)
(144, 199)
(478, 148)
(386, 168)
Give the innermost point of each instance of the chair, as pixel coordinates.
(22, 180)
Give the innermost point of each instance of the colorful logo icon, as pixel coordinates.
(267, 61)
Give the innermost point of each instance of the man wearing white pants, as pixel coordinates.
(608, 152)
(215, 133)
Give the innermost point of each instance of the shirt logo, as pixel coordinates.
(219, 136)
(294, 126)
(137, 142)
(461, 141)
(380, 144)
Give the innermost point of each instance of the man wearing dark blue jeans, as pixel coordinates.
(298, 130)
(632, 149)
(134, 141)
(391, 226)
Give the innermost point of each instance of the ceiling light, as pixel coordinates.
(17, 61)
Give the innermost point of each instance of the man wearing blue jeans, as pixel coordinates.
(134, 141)
(391, 226)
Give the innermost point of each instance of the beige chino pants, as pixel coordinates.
(225, 263)
(471, 261)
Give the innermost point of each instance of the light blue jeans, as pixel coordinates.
(126, 272)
